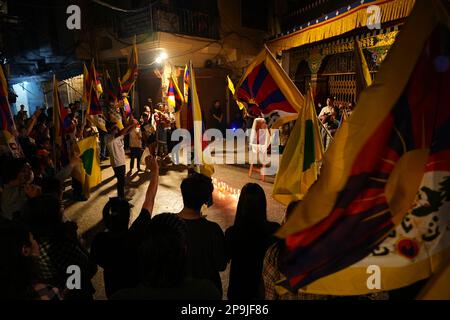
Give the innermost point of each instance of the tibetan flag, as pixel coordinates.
(94, 107)
(89, 173)
(92, 85)
(233, 90)
(267, 87)
(197, 127)
(126, 107)
(131, 75)
(7, 124)
(383, 195)
(110, 90)
(363, 77)
(299, 166)
(174, 97)
(186, 79)
(96, 80)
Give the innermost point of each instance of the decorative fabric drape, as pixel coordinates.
(340, 22)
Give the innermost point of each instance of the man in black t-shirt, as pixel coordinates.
(206, 241)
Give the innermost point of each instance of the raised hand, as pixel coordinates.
(151, 163)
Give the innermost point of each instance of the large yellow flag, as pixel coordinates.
(89, 173)
(363, 77)
(437, 287)
(299, 166)
(197, 126)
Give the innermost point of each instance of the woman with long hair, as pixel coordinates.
(246, 243)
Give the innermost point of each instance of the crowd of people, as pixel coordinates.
(169, 255)
(164, 256)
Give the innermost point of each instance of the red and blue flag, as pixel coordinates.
(268, 91)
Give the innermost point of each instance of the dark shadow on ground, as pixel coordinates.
(68, 194)
(89, 234)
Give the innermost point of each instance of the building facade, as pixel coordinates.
(220, 38)
(317, 44)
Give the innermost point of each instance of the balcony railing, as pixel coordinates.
(166, 19)
(309, 9)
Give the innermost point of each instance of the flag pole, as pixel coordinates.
(318, 120)
(54, 124)
(325, 128)
(132, 99)
(82, 108)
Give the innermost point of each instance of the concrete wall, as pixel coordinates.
(29, 94)
(228, 56)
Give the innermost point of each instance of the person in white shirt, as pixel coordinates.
(135, 146)
(327, 111)
(116, 149)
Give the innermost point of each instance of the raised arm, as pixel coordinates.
(150, 195)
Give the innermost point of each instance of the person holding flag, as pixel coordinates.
(88, 173)
(116, 150)
(196, 126)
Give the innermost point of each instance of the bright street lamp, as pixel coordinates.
(162, 57)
